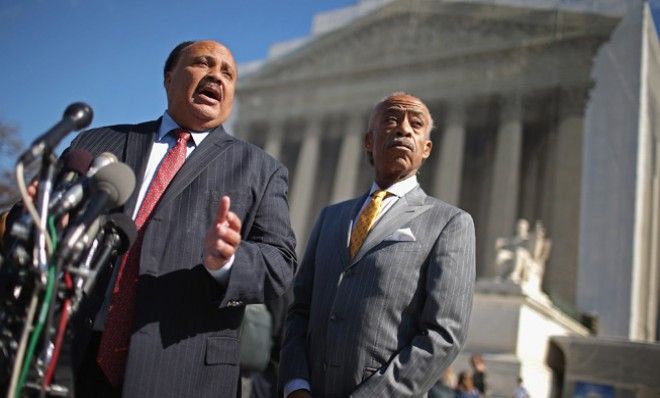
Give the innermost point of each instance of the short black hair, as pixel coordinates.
(174, 56)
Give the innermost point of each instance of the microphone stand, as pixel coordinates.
(45, 269)
(48, 164)
(40, 265)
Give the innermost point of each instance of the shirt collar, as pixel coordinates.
(400, 188)
(168, 124)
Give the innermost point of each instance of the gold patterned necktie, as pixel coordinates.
(366, 221)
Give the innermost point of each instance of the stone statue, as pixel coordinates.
(521, 258)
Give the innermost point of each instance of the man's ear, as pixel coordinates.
(428, 146)
(368, 141)
(167, 79)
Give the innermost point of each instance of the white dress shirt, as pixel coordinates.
(163, 142)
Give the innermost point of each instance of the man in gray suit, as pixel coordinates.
(201, 257)
(384, 292)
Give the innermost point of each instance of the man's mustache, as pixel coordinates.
(401, 141)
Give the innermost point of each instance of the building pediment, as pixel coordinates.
(409, 33)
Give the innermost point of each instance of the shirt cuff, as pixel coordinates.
(221, 275)
(294, 385)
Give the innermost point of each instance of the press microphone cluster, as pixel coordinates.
(76, 116)
(112, 185)
(54, 258)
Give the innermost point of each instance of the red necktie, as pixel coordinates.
(116, 337)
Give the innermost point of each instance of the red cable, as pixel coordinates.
(61, 328)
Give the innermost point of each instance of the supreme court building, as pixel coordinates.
(545, 110)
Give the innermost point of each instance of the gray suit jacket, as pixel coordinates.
(386, 323)
(185, 339)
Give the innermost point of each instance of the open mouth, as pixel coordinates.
(210, 92)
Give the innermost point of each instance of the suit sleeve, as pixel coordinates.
(449, 286)
(293, 358)
(265, 261)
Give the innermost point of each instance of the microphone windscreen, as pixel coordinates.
(125, 227)
(118, 181)
(77, 160)
(80, 114)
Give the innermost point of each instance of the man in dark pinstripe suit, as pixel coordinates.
(219, 238)
(386, 320)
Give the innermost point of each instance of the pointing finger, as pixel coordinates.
(223, 209)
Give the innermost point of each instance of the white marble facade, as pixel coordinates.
(517, 89)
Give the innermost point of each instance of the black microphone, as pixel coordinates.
(69, 199)
(122, 227)
(113, 185)
(76, 162)
(120, 233)
(76, 116)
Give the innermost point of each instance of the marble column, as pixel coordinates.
(348, 164)
(503, 201)
(560, 278)
(302, 192)
(447, 181)
(274, 140)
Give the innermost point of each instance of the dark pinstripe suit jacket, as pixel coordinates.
(386, 323)
(185, 339)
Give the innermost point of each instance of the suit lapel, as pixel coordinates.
(214, 145)
(138, 147)
(400, 214)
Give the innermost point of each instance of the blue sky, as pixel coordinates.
(110, 54)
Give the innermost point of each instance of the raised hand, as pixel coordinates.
(222, 238)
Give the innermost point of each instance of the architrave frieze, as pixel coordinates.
(408, 33)
(518, 71)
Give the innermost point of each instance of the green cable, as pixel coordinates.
(53, 234)
(43, 313)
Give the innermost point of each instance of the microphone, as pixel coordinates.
(69, 196)
(124, 231)
(75, 193)
(120, 233)
(85, 241)
(100, 161)
(75, 163)
(76, 116)
(113, 184)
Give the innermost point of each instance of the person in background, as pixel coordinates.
(383, 296)
(478, 372)
(446, 386)
(465, 387)
(520, 391)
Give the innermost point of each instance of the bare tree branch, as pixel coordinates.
(10, 148)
